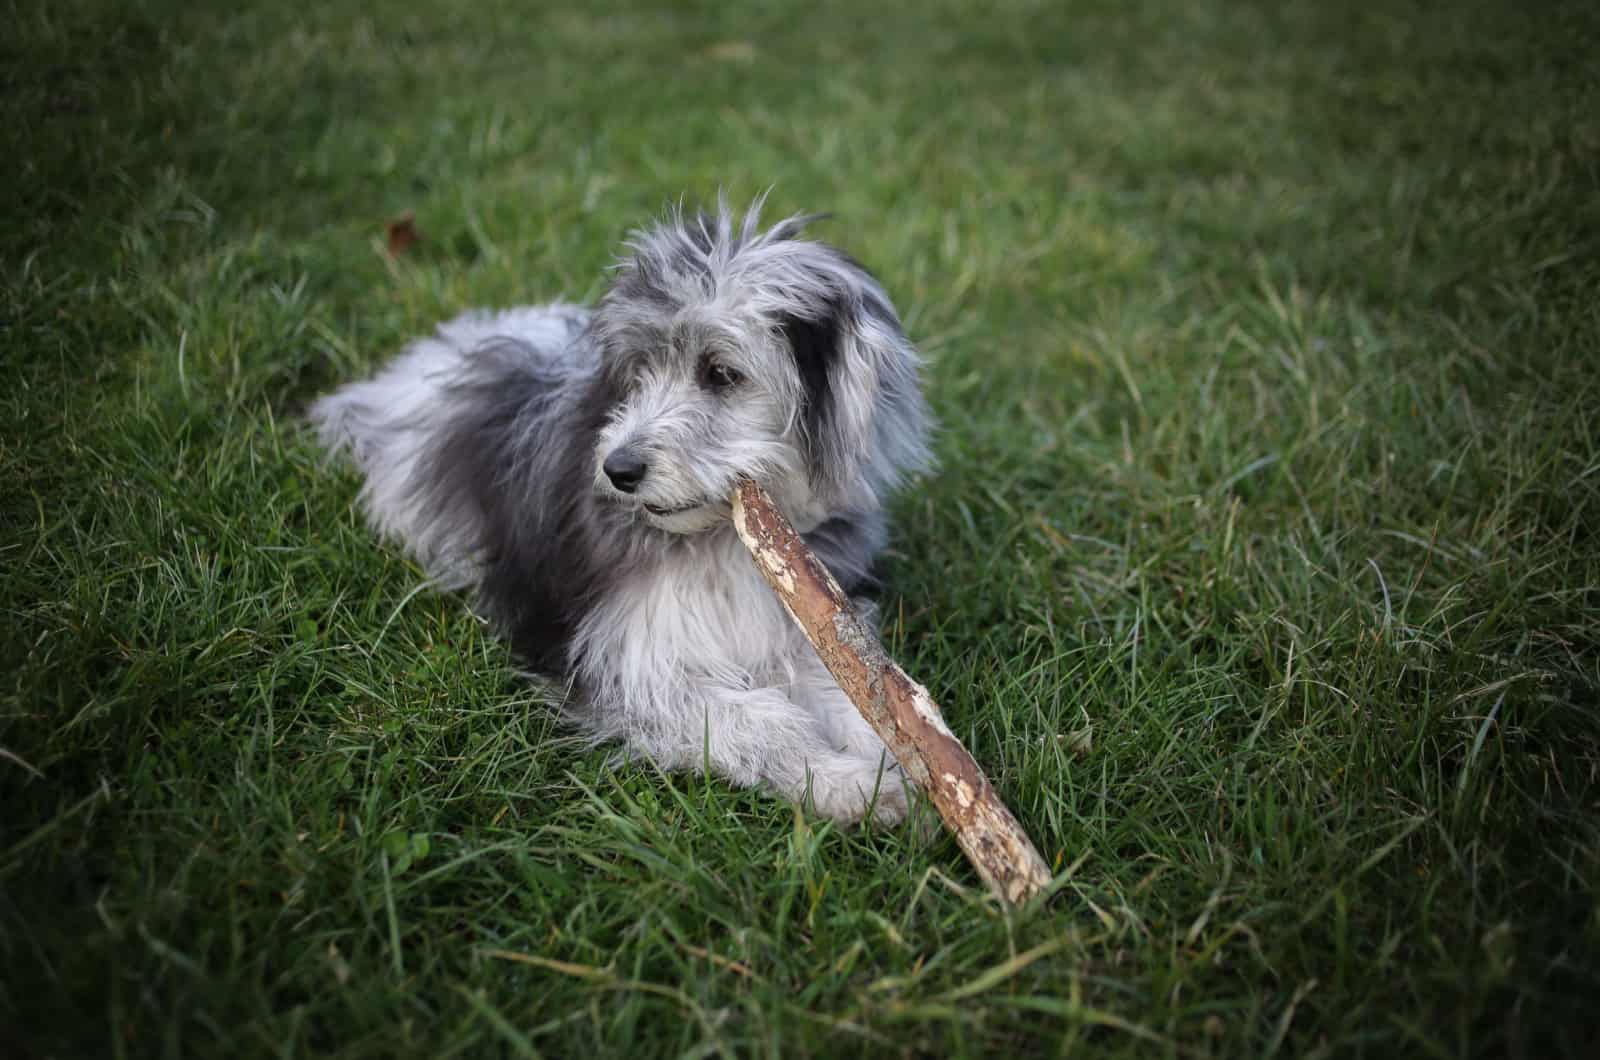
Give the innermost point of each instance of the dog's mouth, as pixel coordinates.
(657, 509)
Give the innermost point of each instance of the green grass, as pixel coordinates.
(1261, 572)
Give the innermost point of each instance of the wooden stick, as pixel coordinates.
(897, 708)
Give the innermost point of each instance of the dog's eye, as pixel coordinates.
(719, 376)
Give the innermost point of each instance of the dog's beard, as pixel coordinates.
(693, 499)
(694, 465)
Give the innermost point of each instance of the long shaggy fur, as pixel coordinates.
(571, 467)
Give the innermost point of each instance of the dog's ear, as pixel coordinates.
(814, 344)
(863, 418)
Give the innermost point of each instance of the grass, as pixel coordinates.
(1261, 572)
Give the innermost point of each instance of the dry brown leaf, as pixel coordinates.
(400, 233)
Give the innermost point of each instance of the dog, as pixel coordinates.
(572, 468)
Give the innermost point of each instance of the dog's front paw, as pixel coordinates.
(847, 790)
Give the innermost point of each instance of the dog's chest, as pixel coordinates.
(701, 608)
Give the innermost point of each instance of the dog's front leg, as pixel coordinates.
(760, 737)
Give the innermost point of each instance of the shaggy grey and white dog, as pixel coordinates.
(572, 466)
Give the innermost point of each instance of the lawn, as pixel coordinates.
(1260, 573)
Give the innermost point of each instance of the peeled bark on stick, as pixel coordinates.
(898, 709)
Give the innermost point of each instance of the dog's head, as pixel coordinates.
(732, 351)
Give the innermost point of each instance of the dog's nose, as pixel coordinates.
(625, 468)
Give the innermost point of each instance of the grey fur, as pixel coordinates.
(719, 350)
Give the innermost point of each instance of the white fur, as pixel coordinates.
(700, 649)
